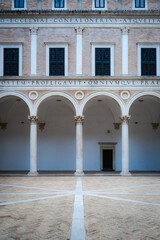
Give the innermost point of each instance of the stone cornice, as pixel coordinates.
(82, 13)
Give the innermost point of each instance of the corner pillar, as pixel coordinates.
(125, 145)
(33, 145)
(79, 145)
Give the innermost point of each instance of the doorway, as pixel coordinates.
(107, 155)
(107, 159)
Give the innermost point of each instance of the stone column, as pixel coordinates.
(125, 145)
(79, 144)
(124, 31)
(33, 145)
(79, 31)
(34, 31)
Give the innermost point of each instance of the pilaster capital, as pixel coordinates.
(34, 30)
(3, 125)
(125, 118)
(79, 119)
(79, 30)
(33, 119)
(125, 30)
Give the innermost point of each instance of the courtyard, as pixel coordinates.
(78, 208)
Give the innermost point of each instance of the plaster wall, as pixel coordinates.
(14, 141)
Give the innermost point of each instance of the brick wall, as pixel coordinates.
(6, 4)
(32, 5)
(56, 35)
(72, 5)
(46, 4)
(86, 4)
(19, 35)
(112, 4)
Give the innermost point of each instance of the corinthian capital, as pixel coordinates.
(125, 30)
(79, 30)
(79, 119)
(33, 119)
(125, 118)
(34, 30)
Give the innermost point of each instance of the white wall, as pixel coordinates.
(144, 141)
(98, 120)
(56, 143)
(14, 141)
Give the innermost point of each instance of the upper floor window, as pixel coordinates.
(102, 61)
(56, 62)
(99, 4)
(59, 4)
(19, 4)
(11, 55)
(148, 61)
(140, 4)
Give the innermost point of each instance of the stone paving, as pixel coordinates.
(113, 208)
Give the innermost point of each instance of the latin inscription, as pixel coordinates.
(80, 20)
(76, 83)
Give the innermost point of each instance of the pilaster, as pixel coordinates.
(79, 31)
(33, 31)
(125, 31)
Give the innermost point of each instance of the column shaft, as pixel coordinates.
(79, 145)
(125, 145)
(33, 145)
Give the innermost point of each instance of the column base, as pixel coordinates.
(33, 173)
(79, 173)
(125, 173)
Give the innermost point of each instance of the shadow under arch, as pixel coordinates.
(102, 94)
(54, 94)
(136, 96)
(21, 96)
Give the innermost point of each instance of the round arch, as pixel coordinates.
(48, 95)
(93, 95)
(135, 97)
(21, 96)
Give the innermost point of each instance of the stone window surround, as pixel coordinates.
(25, 6)
(10, 45)
(94, 8)
(103, 45)
(134, 8)
(65, 6)
(57, 45)
(148, 45)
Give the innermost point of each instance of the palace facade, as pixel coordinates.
(80, 85)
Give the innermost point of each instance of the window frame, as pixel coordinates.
(139, 62)
(14, 8)
(57, 45)
(103, 45)
(2, 46)
(95, 8)
(134, 6)
(54, 8)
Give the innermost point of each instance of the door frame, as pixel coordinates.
(105, 146)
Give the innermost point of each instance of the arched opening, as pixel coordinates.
(56, 135)
(102, 134)
(144, 134)
(14, 134)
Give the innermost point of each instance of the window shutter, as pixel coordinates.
(56, 60)
(148, 61)
(102, 61)
(11, 61)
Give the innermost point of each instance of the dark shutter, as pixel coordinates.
(59, 3)
(99, 3)
(148, 61)
(139, 3)
(102, 61)
(19, 3)
(11, 61)
(56, 59)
